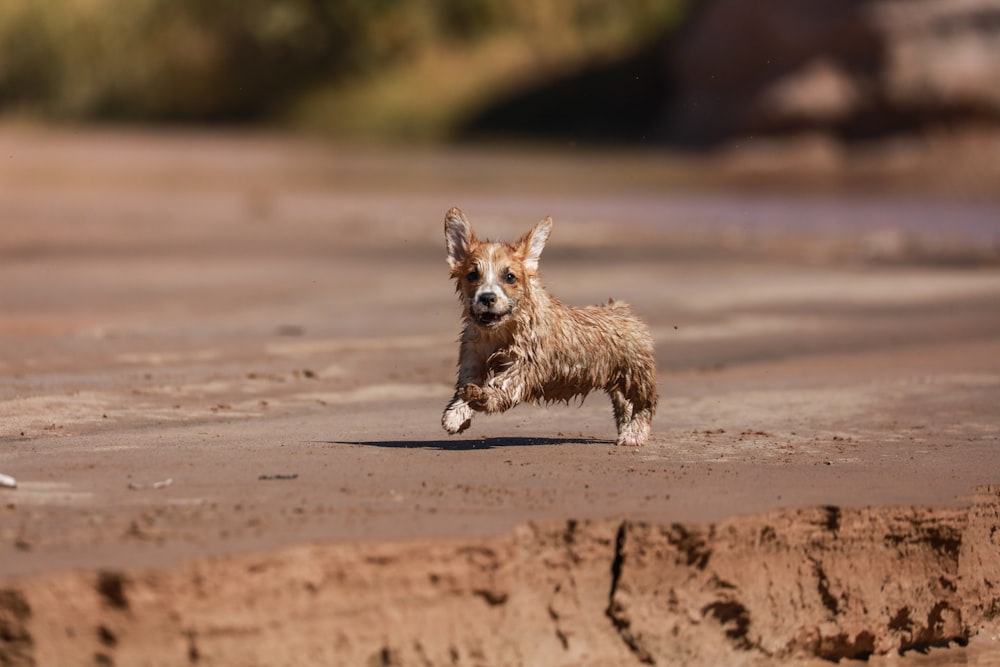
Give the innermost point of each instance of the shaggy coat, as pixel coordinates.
(521, 344)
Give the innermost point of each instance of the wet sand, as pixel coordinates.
(216, 346)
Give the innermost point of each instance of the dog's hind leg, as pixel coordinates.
(633, 418)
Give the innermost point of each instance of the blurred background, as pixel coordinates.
(684, 73)
(194, 132)
(861, 129)
(418, 69)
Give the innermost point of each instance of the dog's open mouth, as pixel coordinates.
(488, 319)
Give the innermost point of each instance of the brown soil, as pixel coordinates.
(768, 589)
(225, 360)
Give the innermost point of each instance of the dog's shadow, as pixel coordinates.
(470, 444)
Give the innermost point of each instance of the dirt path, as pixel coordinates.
(216, 350)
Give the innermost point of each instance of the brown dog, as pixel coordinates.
(520, 344)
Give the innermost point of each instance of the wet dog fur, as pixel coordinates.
(520, 344)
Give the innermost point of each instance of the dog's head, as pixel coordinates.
(493, 279)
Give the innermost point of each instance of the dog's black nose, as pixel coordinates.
(487, 299)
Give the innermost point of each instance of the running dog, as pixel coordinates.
(521, 344)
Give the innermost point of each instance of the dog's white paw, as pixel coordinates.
(457, 417)
(634, 434)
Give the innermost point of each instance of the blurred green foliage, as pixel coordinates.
(384, 67)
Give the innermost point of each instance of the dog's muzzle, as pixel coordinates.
(489, 308)
(486, 315)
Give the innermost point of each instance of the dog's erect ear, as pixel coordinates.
(458, 237)
(533, 242)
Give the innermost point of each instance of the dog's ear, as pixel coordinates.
(533, 242)
(458, 237)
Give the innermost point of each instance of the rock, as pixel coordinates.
(855, 69)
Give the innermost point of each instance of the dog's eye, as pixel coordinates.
(473, 276)
(510, 278)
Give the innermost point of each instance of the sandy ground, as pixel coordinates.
(215, 346)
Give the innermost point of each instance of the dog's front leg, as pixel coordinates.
(458, 414)
(499, 394)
